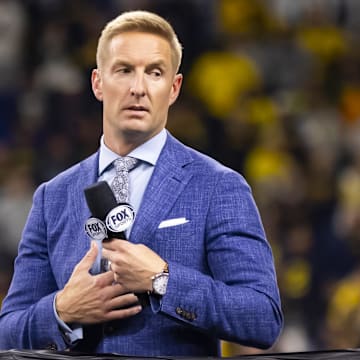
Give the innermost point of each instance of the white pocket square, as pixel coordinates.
(173, 222)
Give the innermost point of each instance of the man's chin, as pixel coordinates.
(137, 135)
(133, 132)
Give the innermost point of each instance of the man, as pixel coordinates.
(196, 228)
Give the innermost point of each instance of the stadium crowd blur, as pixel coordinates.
(272, 89)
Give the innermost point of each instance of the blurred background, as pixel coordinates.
(272, 89)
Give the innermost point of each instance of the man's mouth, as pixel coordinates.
(137, 108)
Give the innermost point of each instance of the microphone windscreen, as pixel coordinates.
(100, 199)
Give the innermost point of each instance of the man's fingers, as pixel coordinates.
(107, 254)
(123, 313)
(106, 279)
(123, 301)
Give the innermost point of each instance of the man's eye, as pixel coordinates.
(123, 70)
(156, 73)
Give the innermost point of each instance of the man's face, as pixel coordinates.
(136, 83)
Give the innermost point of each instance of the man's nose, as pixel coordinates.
(137, 88)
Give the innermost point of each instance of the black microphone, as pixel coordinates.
(100, 199)
(108, 214)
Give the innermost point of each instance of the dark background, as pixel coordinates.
(272, 89)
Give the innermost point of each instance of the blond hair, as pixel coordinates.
(140, 21)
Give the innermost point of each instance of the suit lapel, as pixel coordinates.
(169, 179)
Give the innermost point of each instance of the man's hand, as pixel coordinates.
(89, 299)
(133, 265)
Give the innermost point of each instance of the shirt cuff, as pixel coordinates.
(71, 334)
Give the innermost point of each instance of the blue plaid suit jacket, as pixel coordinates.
(222, 281)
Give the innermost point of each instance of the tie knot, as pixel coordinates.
(125, 163)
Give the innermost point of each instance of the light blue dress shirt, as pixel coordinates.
(148, 154)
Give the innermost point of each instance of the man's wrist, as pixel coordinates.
(60, 313)
(160, 281)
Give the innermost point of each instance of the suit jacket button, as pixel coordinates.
(51, 347)
(179, 311)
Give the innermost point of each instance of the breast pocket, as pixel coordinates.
(175, 229)
(180, 241)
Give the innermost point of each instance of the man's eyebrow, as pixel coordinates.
(121, 63)
(157, 64)
(152, 65)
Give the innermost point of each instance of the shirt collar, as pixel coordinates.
(148, 152)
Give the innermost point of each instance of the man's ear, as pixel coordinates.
(175, 90)
(96, 84)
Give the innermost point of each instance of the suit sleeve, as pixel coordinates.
(27, 319)
(239, 299)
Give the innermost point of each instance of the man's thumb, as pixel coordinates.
(88, 260)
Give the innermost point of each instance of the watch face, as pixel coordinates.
(160, 283)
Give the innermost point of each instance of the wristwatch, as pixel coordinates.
(160, 281)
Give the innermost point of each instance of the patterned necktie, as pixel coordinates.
(120, 184)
